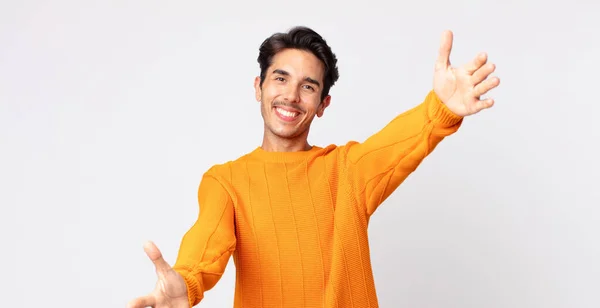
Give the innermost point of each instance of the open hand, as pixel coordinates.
(461, 88)
(170, 290)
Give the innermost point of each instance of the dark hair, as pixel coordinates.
(305, 39)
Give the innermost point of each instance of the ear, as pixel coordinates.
(257, 89)
(324, 104)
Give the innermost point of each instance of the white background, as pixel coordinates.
(110, 111)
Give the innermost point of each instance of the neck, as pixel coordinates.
(273, 143)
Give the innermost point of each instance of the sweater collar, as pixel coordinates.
(283, 157)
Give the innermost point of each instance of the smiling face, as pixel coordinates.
(290, 95)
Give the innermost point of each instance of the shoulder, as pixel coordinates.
(224, 172)
(217, 180)
(339, 151)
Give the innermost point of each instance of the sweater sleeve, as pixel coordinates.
(207, 246)
(377, 166)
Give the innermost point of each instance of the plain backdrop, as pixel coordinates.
(110, 111)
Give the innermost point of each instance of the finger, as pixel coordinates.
(483, 87)
(476, 63)
(142, 302)
(443, 60)
(483, 104)
(482, 73)
(156, 256)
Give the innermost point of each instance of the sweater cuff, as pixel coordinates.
(439, 113)
(193, 286)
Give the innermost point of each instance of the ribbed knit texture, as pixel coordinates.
(296, 222)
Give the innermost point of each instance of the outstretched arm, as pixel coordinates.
(204, 253)
(377, 166)
(206, 248)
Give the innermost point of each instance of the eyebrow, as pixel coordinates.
(308, 79)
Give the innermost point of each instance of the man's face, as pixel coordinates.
(290, 95)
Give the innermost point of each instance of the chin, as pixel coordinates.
(285, 132)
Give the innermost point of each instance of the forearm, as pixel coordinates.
(202, 267)
(207, 246)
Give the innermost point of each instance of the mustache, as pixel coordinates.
(293, 106)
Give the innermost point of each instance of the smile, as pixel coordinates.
(286, 115)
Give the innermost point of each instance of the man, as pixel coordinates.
(294, 215)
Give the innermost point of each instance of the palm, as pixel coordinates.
(461, 88)
(170, 290)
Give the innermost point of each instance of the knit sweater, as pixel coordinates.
(296, 222)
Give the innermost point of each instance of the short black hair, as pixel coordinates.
(303, 38)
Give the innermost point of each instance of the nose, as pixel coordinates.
(292, 94)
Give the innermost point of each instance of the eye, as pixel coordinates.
(308, 87)
(279, 79)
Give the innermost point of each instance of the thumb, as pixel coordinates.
(156, 256)
(443, 59)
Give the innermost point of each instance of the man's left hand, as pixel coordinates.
(461, 88)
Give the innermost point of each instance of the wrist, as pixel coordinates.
(439, 113)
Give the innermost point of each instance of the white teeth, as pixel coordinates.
(287, 113)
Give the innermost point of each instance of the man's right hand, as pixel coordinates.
(170, 290)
